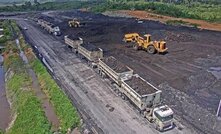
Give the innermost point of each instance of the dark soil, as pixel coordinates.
(90, 47)
(115, 64)
(140, 86)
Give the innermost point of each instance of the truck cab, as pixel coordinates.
(57, 31)
(163, 118)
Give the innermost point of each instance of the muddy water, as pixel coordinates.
(4, 105)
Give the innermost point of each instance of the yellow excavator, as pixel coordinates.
(74, 23)
(145, 43)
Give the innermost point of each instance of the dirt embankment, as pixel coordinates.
(152, 16)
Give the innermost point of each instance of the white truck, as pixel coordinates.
(148, 98)
(52, 29)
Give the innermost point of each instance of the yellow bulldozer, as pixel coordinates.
(145, 43)
(74, 23)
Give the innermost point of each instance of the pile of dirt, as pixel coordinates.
(73, 37)
(115, 64)
(179, 37)
(46, 18)
(140, 86)
(90, 47)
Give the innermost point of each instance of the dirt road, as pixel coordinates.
(93, 94)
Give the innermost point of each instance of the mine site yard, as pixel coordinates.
(188, 74)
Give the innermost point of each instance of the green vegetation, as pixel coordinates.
(28, 6)
(67, 114)
(30, 118)
(6, 31)
(28, 113)
(196, 11)
(1, 132)
(209, 10)
(27, 108)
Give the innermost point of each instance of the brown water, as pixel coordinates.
(5, 116)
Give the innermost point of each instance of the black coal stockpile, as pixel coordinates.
(90, 47)
(73, 37)
(140, 86)
(115, 64)
(46, 18)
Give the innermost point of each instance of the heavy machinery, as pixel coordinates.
(74, 23)
(146, 43)
(130, 86)
(131, 37)
(52, 29)
(142, 94)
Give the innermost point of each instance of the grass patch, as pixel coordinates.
(1, 132)
(26, 107)
(64, 109)
(30, 115)
(5, 24)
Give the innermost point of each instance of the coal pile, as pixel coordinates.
(73, 37)
(140, 86)
(46, 18)
(179, 37)
(90, 47)
(115, 64)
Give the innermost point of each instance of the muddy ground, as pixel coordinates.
(186, 74)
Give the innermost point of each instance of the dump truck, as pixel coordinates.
(114, 69)
(52, 29)
(146, 44)
(55, 30)
(91, 53)
(148, 98)
(142, 94)
(73, 42)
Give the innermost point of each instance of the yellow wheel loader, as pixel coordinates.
(74, 23)
(145, 43)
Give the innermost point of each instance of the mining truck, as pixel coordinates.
(148, 99)
(145, 96)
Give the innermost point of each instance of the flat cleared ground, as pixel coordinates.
(103, 111)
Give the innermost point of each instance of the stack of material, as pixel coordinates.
(140, 86)
(115, 64)
(90, 47)
(73, 37)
